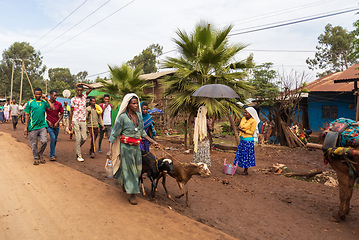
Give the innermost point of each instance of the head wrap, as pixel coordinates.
(253, 113)
(147, 119)
(200, 126)
(116, 144)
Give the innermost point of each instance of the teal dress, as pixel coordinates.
(131, 157)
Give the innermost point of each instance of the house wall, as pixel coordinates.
(344, 100)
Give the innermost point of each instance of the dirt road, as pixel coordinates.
(53, 201)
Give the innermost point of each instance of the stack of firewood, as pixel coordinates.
(292, 139)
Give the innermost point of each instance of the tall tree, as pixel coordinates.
(355, 53)
(206, 58)
(147, 59)
(334, 52)
(33, 66)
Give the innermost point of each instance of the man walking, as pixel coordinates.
(14, 113)
(66, 118)
(94, 119)
(106, 117)
(35, 124)
(53, 121)
(78, 117)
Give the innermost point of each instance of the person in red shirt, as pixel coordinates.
(53, 119)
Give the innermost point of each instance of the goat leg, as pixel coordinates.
(181, 188)
(142, 186)
(186, 190)
(164, 175)
(153, 188)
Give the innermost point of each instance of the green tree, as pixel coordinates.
(33, 65)
(125, 79)
(355, 53)
(334, 52)
(61, 79)
(147, 59)
(265, 84)
(206, 58)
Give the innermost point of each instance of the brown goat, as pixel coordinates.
(183, 172)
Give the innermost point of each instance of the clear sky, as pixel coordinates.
(103, 39)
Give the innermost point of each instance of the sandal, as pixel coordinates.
(242, 173)
(36, 162)
(42, 160)
(133, 200)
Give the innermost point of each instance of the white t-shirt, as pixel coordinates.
(107, 116)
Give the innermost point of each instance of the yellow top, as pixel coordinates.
(249, 126)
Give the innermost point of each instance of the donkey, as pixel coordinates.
(347, 169)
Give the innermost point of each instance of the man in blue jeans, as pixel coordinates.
(35, 124)
(53, 121)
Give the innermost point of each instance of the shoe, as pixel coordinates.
(100, 151)
(92, 155)
(36, 162)
(52, 159)
(133, 199)
(80, 159)
(42, 160)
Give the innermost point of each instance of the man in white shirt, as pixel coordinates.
(106, 117)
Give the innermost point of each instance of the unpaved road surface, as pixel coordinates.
(53, 201)
(257, 206)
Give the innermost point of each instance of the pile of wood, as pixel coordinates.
(292, 139)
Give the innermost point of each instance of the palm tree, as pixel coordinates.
(125, 79)
(206, 58)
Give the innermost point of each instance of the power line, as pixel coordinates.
(276, 13)
(76, 24)
(61, 21)
(278, 50)
(290, 23)
(91, 26)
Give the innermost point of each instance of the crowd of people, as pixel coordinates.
(133, 131)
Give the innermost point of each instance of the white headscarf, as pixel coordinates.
(116, 144)
(253, 113)
(200, 126)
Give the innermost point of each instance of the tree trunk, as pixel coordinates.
(185, 135)
(190, 126)
(234, 127)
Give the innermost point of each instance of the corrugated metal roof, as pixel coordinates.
(326, 83)
(149, 76)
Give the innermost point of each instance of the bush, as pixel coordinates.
(226, 128)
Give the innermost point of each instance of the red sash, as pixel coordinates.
(130, 140)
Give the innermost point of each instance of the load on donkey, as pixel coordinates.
(341, 151)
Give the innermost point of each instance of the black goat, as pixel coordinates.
(154, 169)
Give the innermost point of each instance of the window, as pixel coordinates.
(330, 112)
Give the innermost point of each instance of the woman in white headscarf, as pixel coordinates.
(245, 152)
(125, 141)
(202, 126)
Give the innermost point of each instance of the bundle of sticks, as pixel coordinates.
(292, 139)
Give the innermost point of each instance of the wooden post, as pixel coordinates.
(185, 135)
(32, 90)
(234, 127)
(12, 78)
(22, 77)
(357, 100)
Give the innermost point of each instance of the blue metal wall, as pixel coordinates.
(344, 100)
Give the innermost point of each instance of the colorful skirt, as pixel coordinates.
(203, 153)
(245, 154)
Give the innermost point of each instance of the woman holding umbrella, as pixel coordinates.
(245, 152)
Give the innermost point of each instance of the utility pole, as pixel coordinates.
(12, 78)
(22, 77)
(12, 75)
